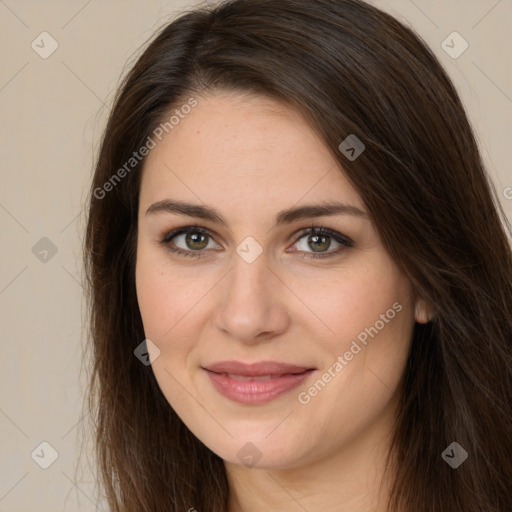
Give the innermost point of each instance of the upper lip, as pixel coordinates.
(256, 369)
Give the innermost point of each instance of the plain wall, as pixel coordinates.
(53, 111)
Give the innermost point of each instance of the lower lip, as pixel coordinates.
(256, 391)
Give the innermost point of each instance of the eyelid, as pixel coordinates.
(185, 229)
(320, 230)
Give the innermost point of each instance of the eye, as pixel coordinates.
(193, 239)
(319, 240)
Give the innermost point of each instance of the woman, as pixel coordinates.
(300, 278)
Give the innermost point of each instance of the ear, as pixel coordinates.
(422, 313)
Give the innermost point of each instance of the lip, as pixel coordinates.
(256, 383)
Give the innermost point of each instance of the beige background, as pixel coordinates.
(53, 111)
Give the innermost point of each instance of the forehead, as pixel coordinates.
(244, 153)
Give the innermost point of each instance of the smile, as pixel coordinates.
(251, 385)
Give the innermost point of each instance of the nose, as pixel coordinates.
(252, 305)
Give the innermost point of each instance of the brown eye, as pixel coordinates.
(190, 241)
(319, 243)
(196, 241)
(316, 242)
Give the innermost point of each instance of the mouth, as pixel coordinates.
(254, 378)
(255, 383)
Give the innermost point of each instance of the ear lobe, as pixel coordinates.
(422, 313)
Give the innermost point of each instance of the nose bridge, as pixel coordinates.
(248, 278)
(249, 274)
(250, 303)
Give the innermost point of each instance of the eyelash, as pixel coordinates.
(313, 230)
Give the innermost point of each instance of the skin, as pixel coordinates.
(250, 157)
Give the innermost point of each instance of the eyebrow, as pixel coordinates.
(284, 217)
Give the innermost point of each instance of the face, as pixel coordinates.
(279, 332)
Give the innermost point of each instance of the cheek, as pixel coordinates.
(349, 301)
(169, 304)
(160, 296)
(369, 310)
(172, 303)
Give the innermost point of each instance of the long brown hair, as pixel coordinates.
(348, 68)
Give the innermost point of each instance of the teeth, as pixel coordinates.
(244, 377)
